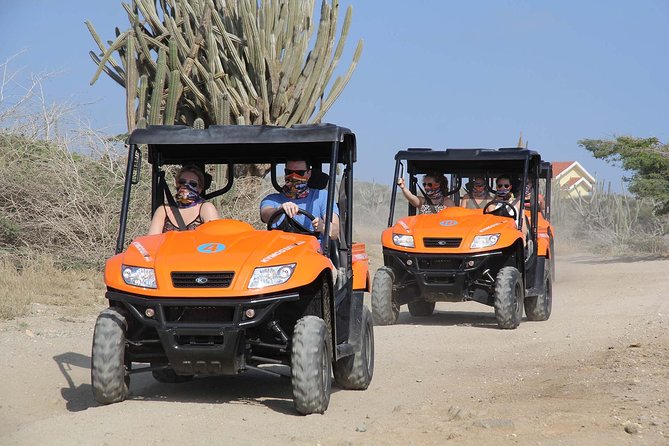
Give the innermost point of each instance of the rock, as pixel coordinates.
(632, 428)
(30, 333)
(361, 429)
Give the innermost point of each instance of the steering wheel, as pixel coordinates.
(290, 224)
(505, 205)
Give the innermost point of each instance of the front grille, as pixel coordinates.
(434, 242)
(439, 263)
(212, 314)
(202, 280)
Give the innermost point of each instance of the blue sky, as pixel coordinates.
(434, 73)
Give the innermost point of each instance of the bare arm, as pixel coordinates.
(158, 221)
(208, 212)
(411, 198)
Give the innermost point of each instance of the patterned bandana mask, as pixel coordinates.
(434, 195)
(187, 196)
(504, 194)
(296, 186)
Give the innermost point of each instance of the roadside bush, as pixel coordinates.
(610, 223)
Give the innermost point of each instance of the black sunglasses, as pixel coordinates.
(503, 186)
(430, 184)
(300, 172)
(191, 183)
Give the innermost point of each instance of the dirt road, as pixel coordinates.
(596, 373)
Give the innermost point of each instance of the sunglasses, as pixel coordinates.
(503, 186)
(300, 172)
(430, 185)
(191, 183)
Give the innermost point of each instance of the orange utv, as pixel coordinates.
(459, 254)
(226, 298)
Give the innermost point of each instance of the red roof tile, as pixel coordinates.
(560, 166)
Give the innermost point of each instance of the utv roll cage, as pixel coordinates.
(238, 144)
(524, 164)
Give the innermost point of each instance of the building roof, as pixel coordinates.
(561, 167)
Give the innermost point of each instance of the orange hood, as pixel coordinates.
(218, 246)
(452, 223)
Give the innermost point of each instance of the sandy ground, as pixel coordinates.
(596, 373)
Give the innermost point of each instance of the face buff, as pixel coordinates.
(504, 194)
(296, 186)
(435, 195)
(187, 196)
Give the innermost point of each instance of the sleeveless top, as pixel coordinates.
(169, 226)
(472, 204)
(431, 208)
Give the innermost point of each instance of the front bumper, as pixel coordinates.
(198, 336)
(443, 277)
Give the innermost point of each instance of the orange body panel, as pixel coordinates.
(217, 246)
(360, 267)
(453, 222)
(544, 233)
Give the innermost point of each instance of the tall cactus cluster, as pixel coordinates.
(226, 61)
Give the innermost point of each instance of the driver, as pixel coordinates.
(297, 195)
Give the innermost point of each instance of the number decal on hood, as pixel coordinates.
(211, 248)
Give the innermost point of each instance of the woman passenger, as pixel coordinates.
(192, 207)
(478, 197)
(436, 189)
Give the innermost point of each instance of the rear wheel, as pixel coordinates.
(509, 294)
(355, 372)
(421, 308)
(109, 377)
(538, 308)
(384, 309)
(311, 366)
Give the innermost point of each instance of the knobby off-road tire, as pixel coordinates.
(384, 309)
(355, 372)
(509, 296)
(538, 308)
(108, 371)
(169, 376)
(421, 308)
(311, 366)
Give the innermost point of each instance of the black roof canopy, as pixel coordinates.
(239, 144)
(468, 161)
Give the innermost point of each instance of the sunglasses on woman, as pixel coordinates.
(430, 185)
(184, 181)
(503, 186)
(300, 172)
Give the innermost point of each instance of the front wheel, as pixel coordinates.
(384, 309)
(421, 308)
(355, 372)
(311, 366)
(509, 296)
(109, 377)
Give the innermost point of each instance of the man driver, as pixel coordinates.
(296, 194)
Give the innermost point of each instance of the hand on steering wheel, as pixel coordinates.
(289, 224)
(511, 209)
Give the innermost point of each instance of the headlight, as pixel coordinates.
(144, 277)
(403, 240)
(483, 241)
(272, 275)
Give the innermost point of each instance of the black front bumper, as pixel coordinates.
(198, 336)
(443, 277)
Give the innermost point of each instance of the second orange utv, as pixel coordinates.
(459, 254)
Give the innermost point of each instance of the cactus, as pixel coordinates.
(242, 61)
